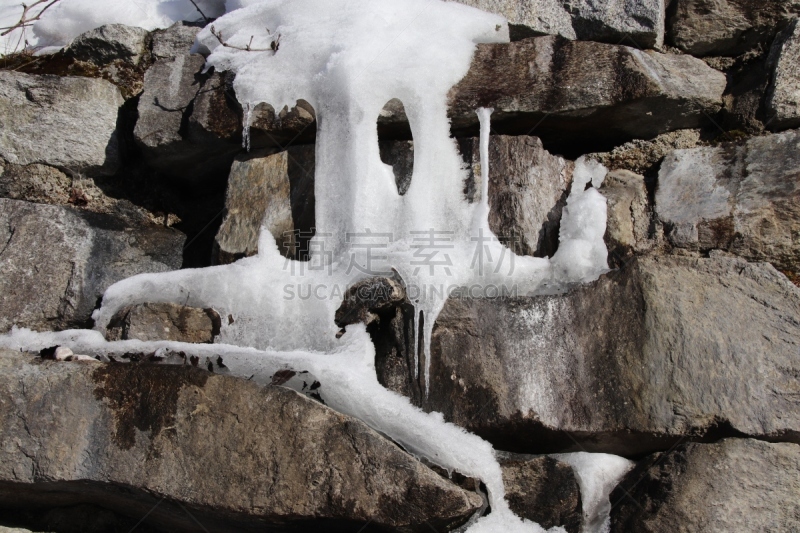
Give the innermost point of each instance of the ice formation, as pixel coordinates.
(348, 58)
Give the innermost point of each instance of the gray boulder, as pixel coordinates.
(544, 490)
(170, 89)
(181, 446)
(726, 27)
(271, 191)
(56, 261)
(530, 18)
(177, 40)
(108, 43)
(743, 198)
(527, 191)
(664, 349)
(169, 322)
(45, 121)
(783, 96)
(569, 92)
(732, 485)
(637, 23)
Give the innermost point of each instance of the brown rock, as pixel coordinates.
(184, 447)
(168, 322)
(628, 223)
(726, 27)
(272, 191)
(544, 490)
(732, 485)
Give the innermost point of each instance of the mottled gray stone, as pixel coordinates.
(45, 119)
(743, 198)
(663, 350)
(783, 96)
(171, 87)
(174, 41)
(237, 456)
(108, 43)
(726, 27)
(527, 191)
(55, 262)
(639, 23)
(527, 18)
(732, 485)
(572, 92)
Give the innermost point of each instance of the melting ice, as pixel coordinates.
(347, 59)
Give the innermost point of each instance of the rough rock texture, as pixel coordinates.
(110, 42)
(169, 322)
(44, 120)
(57, 261)
(656, 352)
(726, 27)
(577, 96)
(530, 18)
(127, 436)
(190, 153)
(643, 156)
(732, 485)
(272, 191)
(544, 490)
(173, 41)
(783, 98)
(628, 222)
(527, 191)
(598, 95)
(638, 23)
(744, 198)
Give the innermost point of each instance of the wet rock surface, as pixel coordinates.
(655, 353)
(147, 433)
(735, 484)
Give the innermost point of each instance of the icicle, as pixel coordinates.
(416, 342)
(484, 116)
(246, 122)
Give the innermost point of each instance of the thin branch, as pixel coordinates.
(200, 11)
(24, 21)
(274, 45)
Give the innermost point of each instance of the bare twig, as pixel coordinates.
(273, 47)
(200, 11)
(25, 20)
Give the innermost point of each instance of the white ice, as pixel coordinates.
(348, 58)
(598, 474)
